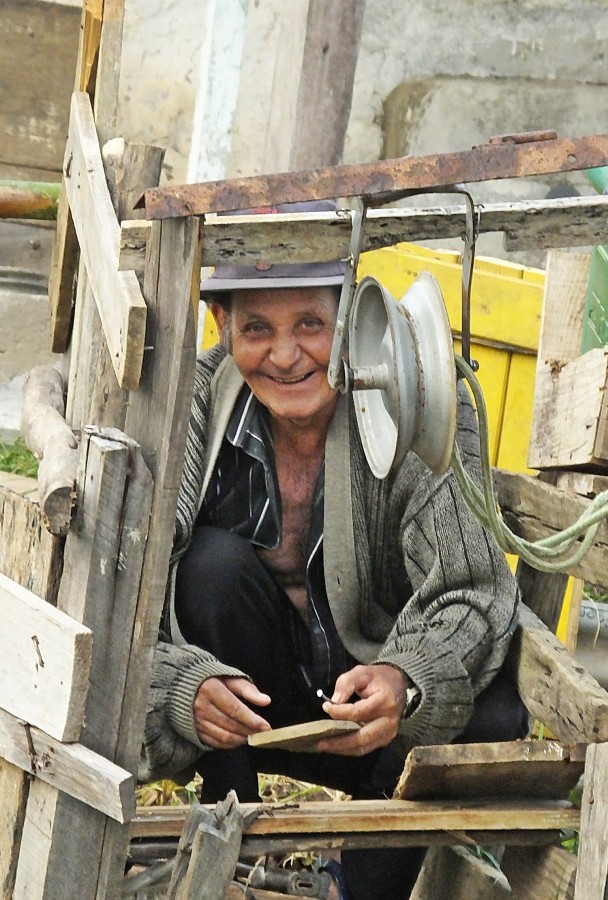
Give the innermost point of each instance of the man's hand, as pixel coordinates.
(221, 719)
(382, 690)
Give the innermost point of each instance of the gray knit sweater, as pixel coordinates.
(426, 589)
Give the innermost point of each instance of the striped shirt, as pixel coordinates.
(243, 497)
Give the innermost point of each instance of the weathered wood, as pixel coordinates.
(45, 659)
(28, 553)
(215, 852)
(534, 510)
(130, 168)
(555, 689)
(592, 877)
(193, 819)
(68, 767)
(14, 786)
(540, 873)
(49, 437)
(455, 873)
(303, 237)
(121, 306)
(542, 592)
(587, 484)
(303, 737)
(102, 571)
(508, 769)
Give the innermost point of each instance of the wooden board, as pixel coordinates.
(592, 878)
(14, 786)
(28, 553)
(302, 737)
(556, 690)
(456, 873)
(68, 767)
(378, 816)
(45, 659)
(306, 237)
(510, 769)
(122, 308)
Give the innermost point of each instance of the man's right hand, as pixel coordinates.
(221, 719)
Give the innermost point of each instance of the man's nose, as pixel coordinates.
(284, 351)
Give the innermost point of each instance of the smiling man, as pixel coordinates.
(277, 512)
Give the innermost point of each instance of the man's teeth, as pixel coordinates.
(291, 380)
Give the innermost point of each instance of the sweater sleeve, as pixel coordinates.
(171, 744)
(454, 631)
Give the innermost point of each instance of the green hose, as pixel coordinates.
(557, 553)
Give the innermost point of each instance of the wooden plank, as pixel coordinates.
(542, 592)
(215, 852)
(45, 660)
(534, 509)
(564, 299)
(556, 690)
(592, 877)
(69, 767)
(540, 873)
(303, 237)
(508, 769)
(121, 306)
(587, 484)
(14, 786)
(303, 737)
(375, 816)
(455, 873)
(28, 553)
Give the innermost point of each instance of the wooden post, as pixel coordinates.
(215, 851)
(592, 877)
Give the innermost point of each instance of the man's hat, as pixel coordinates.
(284, 275)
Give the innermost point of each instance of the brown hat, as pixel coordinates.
(283, 275)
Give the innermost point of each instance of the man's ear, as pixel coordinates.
(219, 314)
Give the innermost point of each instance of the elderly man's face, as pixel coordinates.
(281, 343)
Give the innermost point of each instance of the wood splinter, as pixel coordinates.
(52, 441)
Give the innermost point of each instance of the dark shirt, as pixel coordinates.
(243, 497)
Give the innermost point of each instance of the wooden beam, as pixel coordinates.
(45, 660)
(14, 786)
(508, 769)
(302, 237)
(121, 306)
(592, 877)
(385, 817)
(534, 509)
(69, 767)
(554, 687)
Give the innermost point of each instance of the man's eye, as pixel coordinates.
(311, 324)
(256, 328)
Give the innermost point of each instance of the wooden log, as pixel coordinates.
(29, 554)
(68, 767)
(303, 237)
(455, 873)
(540, 873)
(45, 660)
(555, 689)
(193, 819)
(52, 441)
(542, 592)
(507, 769)
(535, 510)
(121, 306)
(215, 852)
(592, 877)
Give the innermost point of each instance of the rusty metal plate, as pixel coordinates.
(382, 181)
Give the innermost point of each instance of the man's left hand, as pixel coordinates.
(382, 693)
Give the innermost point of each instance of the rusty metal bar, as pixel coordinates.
(383, 181)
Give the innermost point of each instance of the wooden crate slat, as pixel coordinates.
(45, 660)
(68, 767)
(122, 308)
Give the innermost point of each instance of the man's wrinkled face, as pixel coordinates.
(281, 343)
